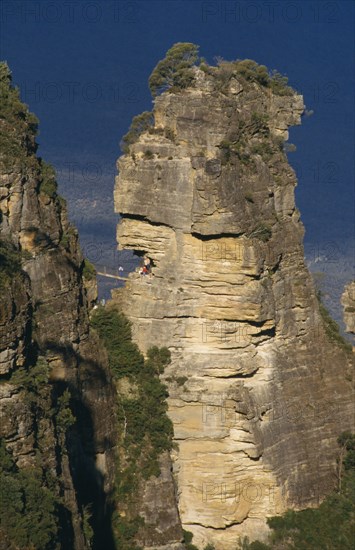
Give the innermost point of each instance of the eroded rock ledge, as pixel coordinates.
(258, 395)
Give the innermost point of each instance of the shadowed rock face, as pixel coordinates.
(44, 314)
(258, 395)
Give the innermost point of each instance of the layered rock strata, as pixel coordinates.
(348, 302)
(258, 395)
(57, 400)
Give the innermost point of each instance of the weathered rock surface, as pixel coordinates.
(158, 508)
(348, 302)
(258, 395)
(47, 351)
(44, 318)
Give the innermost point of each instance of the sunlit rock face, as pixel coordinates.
(348, 302)
(258, 395)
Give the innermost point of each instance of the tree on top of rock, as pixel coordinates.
(175, 71)
(18, 126)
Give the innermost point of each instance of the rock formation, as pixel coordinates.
(58, 399)
(259, 387)
(57, 402)
(348, 302)
(258, 392)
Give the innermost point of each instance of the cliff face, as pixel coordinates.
(258, 393)
(348, 302)
(57, 401)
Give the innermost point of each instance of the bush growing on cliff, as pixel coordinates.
(48, 184)
(264, 149)
(174, 72)
(18, 125)
(331, 327)
(145, 409)
(28, 510)
(89, 271)
(32, 512)
(10, 262)
(146, 431)
(250, 71)
(188, 536)
(331, 525)
(346, 441)
(259, 123)
(279, 84)
(17, 137)
(115, 332)
(261, 232)
(140, 123)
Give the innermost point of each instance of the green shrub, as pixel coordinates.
(30, 507)
(19, 126)
(87, 528)
(251, 71)
(125, 530)
(146, 430)
(145, 413)
(64, 416)
(10, 262)
(140, 124)
(347, 441)
(148, 154)
(278, 84)
(264, 149)
(48, 184)
(17, 138)
(259, 123)
(331, 525)
(331, 327)
(256, 545)
(89, 271)
(174, 72)
(261, 232)
(205, 67)
(188, 536)
(28, 510)
(33, 378)
(114, 330)
(223, 75)
(66, 237)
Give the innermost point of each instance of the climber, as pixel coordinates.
(146, 261)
